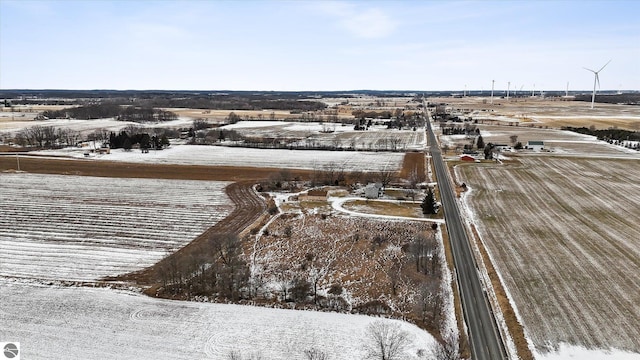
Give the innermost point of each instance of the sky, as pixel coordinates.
(319, 45)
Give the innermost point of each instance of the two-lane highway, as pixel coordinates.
(484, 337)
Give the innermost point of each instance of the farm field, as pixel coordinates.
(332, 134)
(248, 157)
(72, 228)
(95, 323)
(563, 235)
(559, 142)
(548, 112)
(84, 127)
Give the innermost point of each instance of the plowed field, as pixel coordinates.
(565, 236)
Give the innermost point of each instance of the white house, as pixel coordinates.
(535, 145)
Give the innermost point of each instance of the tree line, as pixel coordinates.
(606, 134)
(110, 110)
(46, 137)
(124, 140)
(51, 137)
(225, 102)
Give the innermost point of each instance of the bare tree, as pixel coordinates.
(315, 354)
(386, 175)
(395, 142)
(428, 302)
(449, 348)
(386, 341)
(514, 139)
(237, 355)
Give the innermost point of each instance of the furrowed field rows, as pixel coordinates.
(565, 237)
(83, 228)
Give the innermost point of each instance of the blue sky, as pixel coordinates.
(318, 45)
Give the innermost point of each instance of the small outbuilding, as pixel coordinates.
(535, 145)
(467, 158)
(316, 194)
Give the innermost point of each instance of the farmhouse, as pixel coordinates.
(535, 145)
(373, 191)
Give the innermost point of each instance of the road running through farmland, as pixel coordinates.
(486, 343)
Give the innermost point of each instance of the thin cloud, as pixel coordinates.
(369, 23)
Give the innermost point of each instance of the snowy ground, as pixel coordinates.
(96, 323)
(84, 126)
(80, 228)
(74, 228)
(236, 156)
(570, 352)
(571, 261)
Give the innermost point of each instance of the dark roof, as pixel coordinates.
(317, 192)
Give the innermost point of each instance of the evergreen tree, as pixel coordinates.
(429, 203)
(480, 142)
(126, 145)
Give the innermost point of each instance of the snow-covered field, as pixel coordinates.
(560, 142)
(94, 323)
(237, 156)
(69, 228)
(75, 228)
(333, 134)
(564, 235)
(84, 126)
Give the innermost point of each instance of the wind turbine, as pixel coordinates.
(492, 83)
(596, 80)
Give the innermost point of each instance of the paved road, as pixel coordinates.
(484, 337)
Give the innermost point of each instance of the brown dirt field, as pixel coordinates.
(414, 162)
(385, 208)
(220, 115)
(50, 165)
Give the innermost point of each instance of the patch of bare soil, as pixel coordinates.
(414, 167)
(49, 165)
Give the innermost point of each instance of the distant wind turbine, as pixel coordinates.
(492, 83)
(596, 80)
